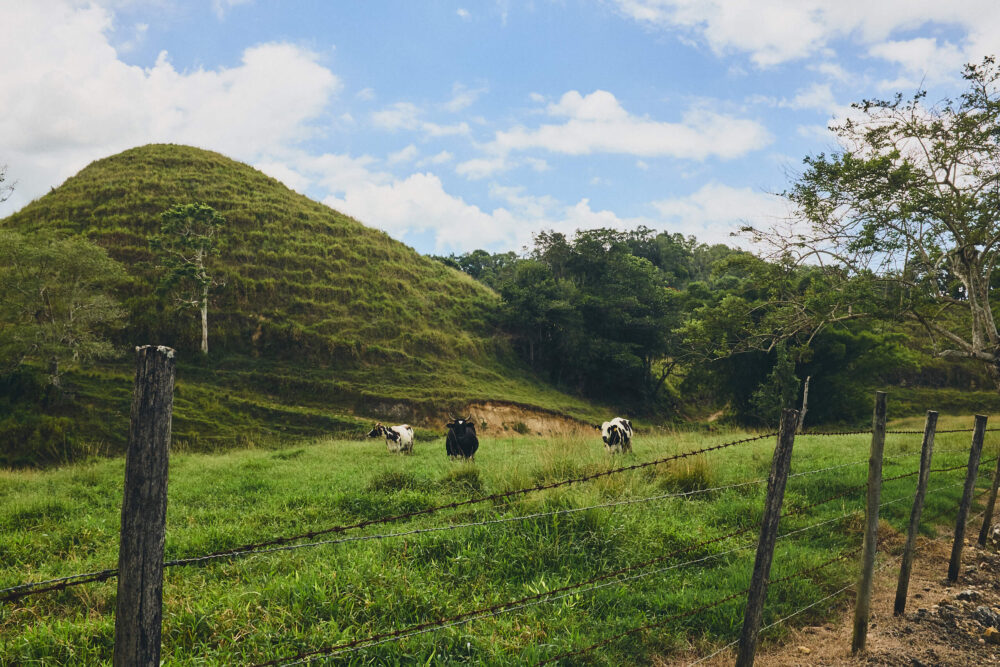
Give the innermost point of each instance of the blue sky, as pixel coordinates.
(457, 125)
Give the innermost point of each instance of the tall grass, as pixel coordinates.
(65, 520)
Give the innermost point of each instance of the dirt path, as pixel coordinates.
(944, 624)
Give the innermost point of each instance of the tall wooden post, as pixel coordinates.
(862, 608)
(139, 610)
(978, 436)
(984, 532)
(926, 451)
(768, 535)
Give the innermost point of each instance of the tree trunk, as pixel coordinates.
(204, 319)
(54, 376)
(805, 405)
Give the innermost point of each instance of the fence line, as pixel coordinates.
(613, 578)
(649, 626)
(614, 582)
(14, 593)
(22, 590)
(482, 613)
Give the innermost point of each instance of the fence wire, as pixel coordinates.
(415, 630)
(17, 592)
(22, 590)
(697, 610)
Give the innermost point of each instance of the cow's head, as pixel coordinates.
(376, 431)
(461, 427)
(614, 435)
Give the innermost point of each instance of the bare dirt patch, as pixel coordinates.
(505, 419)
(944, 623)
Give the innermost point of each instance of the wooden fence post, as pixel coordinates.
(926, 451)
(990, 504)
(862, 608)
(963, 508)
(768, 535)
(138, 610)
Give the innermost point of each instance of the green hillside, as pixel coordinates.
(322, 321)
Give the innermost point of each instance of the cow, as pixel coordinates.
(461, 441)
(398, 439)
(617, 435)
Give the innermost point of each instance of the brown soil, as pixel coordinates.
(944, 624)
(505, 419)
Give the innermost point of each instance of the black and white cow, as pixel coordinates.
(617, 435)
(398, 439)
(461, 441)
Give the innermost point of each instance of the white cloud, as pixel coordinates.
(407, 154)
(365, 94)
(220, 7)
(818, 96)
(462, 97)
(597, 123)
(463, 13)
(77, 101)
(778, 31)
(479, 168)
(715, 210)
(407, 116)
(439, 158)
(924, 61)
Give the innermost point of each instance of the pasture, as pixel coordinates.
(271, 606)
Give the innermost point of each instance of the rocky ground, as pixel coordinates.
(944, 623)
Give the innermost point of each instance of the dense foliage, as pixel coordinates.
(658, 322)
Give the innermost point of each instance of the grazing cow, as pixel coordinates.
(617, 435)
(397, 438)
(461, 440)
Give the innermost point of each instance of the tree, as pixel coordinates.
(5, 190)
(54, 303)
(902, 221)
(187, 243)
(778, 391)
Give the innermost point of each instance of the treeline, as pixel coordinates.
(659, 323)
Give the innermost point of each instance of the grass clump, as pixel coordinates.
(464, 478)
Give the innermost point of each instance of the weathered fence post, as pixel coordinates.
(768, 535)
(926, 451)
(990, 504)
(862, 608)
(144, 511)
(963, 508)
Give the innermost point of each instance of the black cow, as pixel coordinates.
(461, 440)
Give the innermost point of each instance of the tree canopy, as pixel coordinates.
(55, 303)
(901, 221)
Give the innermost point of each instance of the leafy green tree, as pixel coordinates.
(55, 306)
(779, 391)
(902, 220)
(187, 243)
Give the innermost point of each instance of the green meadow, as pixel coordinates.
(257, 608)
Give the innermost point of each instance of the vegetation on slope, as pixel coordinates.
(318, 313)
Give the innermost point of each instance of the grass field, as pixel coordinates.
(65, 520)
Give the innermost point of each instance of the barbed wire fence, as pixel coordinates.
(765, 542)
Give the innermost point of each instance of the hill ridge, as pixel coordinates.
(318, 310)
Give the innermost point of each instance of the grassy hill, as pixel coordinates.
(321, 322)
